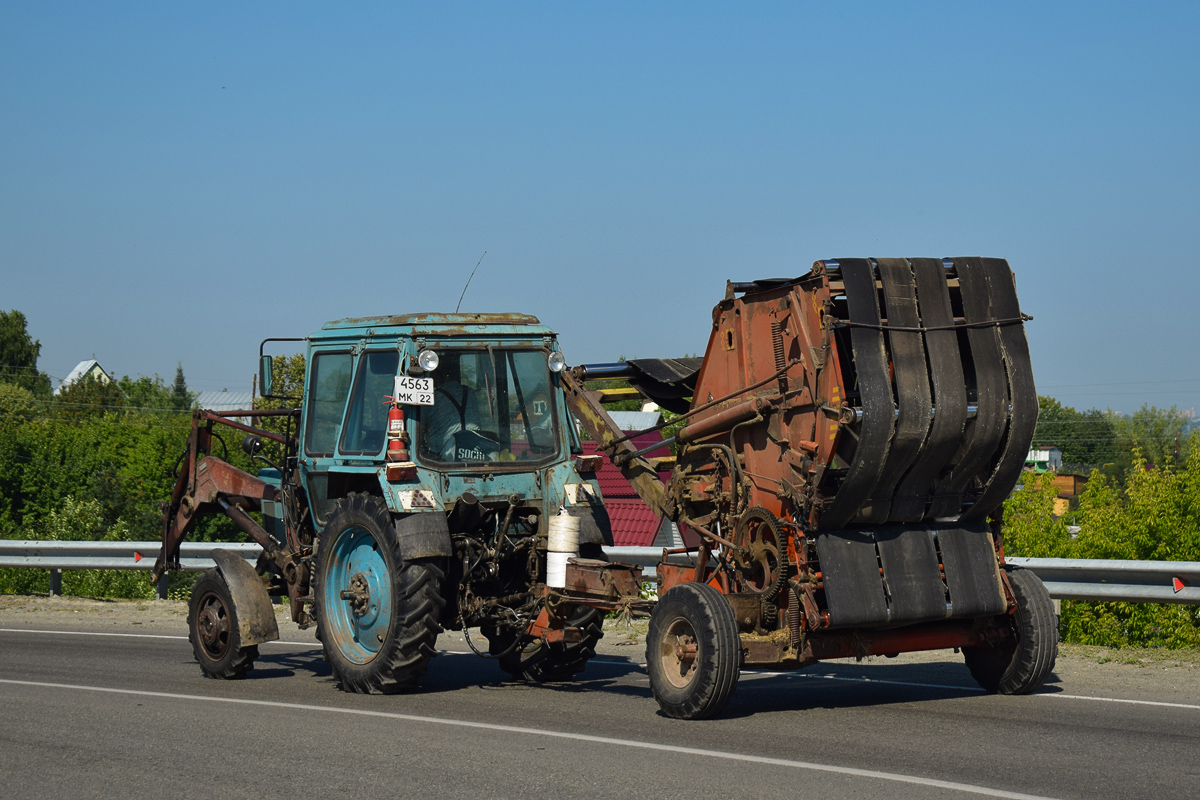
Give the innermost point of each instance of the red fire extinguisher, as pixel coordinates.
(397, 436)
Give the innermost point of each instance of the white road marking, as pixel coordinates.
(142, 636)
(848, 679)
(580, 737)
(757, 673)
(1117, 700)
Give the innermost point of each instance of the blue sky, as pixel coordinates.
(179, 181)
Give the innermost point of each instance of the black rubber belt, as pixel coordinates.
(912, 390)
(853, 587)
(875, 392)
(991, 379)
(910, 572)
(972, 575)
(930, 475)
(1022, 394)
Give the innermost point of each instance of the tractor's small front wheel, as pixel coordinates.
(213, 629)
(693, 653)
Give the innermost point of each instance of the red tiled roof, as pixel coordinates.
(633, 523)
(612, 482)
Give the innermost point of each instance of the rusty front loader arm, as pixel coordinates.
(207, 484)
(637, 469)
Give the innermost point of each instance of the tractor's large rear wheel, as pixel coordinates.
(1023, 665)
(693, 653)
(377, 614)
(213, 629)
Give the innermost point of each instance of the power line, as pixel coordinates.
(1120, 383)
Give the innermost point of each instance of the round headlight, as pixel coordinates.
(428, 360)
(556, 362)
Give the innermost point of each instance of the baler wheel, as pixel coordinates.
(377, 614)
(213, 630)
(1020, 668)
(693, 653)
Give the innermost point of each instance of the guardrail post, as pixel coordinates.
(162, 586)
(56, 583)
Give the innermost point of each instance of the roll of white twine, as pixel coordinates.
(564, 534)
(556, 569)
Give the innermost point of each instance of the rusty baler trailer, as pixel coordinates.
(850, 437)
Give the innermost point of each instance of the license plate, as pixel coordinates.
(413, 391)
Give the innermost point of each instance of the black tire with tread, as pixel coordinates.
(1023, 667)
(416, 610)
(539, 662)
(221, 655)
(701, 614)
(544, 663)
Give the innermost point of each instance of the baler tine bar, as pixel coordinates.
(874, 383)
(949, 392)
(912, 389)
(991, 381)
(1023, 396)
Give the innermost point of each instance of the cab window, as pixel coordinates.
(490, 406)
(328, 384)
(366, 418)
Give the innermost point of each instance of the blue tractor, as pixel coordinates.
(415, 486)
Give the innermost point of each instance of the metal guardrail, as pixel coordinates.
(57, 556)
(1065, 578)
(1116, 580)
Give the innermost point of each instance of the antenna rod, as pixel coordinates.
(468, 283)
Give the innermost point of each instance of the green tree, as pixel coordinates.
(1088, 439)
(1157, 434)
(147, 394)
(179, 392)
(19, 355)
(287, 374)
(1030, 528)
(287, 377)
(17, 403)
(89, 397)
(1152, 515)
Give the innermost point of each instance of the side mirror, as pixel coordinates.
(264, 376)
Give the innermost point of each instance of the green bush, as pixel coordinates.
(69, 472)
(1154, 516)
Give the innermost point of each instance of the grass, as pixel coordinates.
(1139, 656)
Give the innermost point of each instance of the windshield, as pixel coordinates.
(490, 406)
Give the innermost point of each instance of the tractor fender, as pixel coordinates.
(252, 606)
(423, 535)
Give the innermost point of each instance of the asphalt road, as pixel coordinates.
(100, 715)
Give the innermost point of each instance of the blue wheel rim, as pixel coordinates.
(355, 562)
